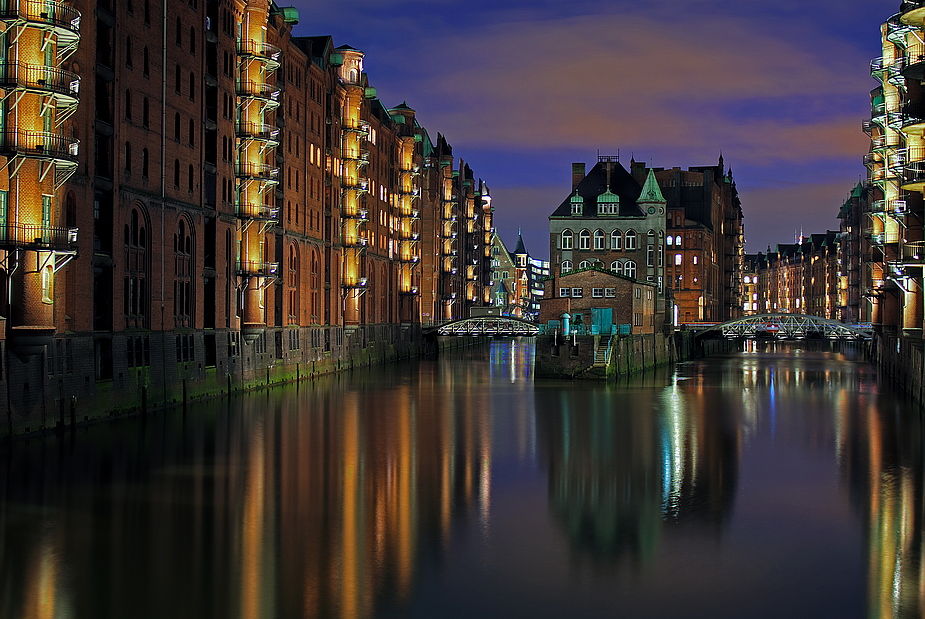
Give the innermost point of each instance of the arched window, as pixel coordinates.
(599, 239)
(128, 105)
(630, 240)
(629, 268)
(617, 267)
(316, 286)
(566, 240)
(616, 239)
(677, 241)
(584, 240)
(192, 132)
(566, 266)
(292, 282)
(176, 126)
(584, 264)
(183, 273)
(144, 162)
(669, 241)
(135, 285)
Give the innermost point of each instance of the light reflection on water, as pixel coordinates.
(773, 482)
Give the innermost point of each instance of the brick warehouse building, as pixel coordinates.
(193, 200)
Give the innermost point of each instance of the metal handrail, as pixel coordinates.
(39, 77)
(54, 12)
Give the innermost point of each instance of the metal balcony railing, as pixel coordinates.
(257, 90)
(39, 77)
(254, 268)
(55, 13)
(39, 144)
(260, 212)
(254, 49)
(38, 237)
(257, 131)
(258, 171)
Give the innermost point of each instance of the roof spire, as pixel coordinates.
(651, 192)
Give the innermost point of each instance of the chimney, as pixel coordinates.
(578, 173)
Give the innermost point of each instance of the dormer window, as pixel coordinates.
(578, 204)
(608, 203)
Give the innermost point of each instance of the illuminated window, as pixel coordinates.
(616, 239)
(584, 240)
(677, 259)
(599, 239)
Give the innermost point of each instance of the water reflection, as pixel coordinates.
(449, 487)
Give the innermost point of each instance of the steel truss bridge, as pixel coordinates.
(488, 325)
(787, 327)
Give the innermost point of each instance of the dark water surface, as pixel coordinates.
(768, 483)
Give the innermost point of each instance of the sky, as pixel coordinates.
(523, 88)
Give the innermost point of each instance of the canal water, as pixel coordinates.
(779, 481)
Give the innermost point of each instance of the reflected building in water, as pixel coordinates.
(621, 474)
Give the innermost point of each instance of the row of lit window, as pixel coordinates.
(596, 293)
(620, 267)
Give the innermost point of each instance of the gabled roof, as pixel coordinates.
(595, 183)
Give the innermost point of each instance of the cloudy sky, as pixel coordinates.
(523, 88)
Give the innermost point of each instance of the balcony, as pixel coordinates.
(63, 19)
(254, 268)
(55, 238)
(354, 184)
(409, 237)
(914, 177)
(358, 214)
(248, 48)
(258, 131)
(258, 212)
(360, 156)
(249, 89)
(358, 242)
(65, 85)
(361, 127)
(357, 283)
(39, 145)
(257, 171)
(913, 14)
(914, 62)
(914, 118)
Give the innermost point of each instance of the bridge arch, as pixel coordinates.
(487, 325)
(786, 326)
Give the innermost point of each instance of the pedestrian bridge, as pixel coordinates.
(487, 325)
(785, 327)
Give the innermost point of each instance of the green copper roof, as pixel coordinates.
(857, 191)
(608, 197)
(650, 190)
